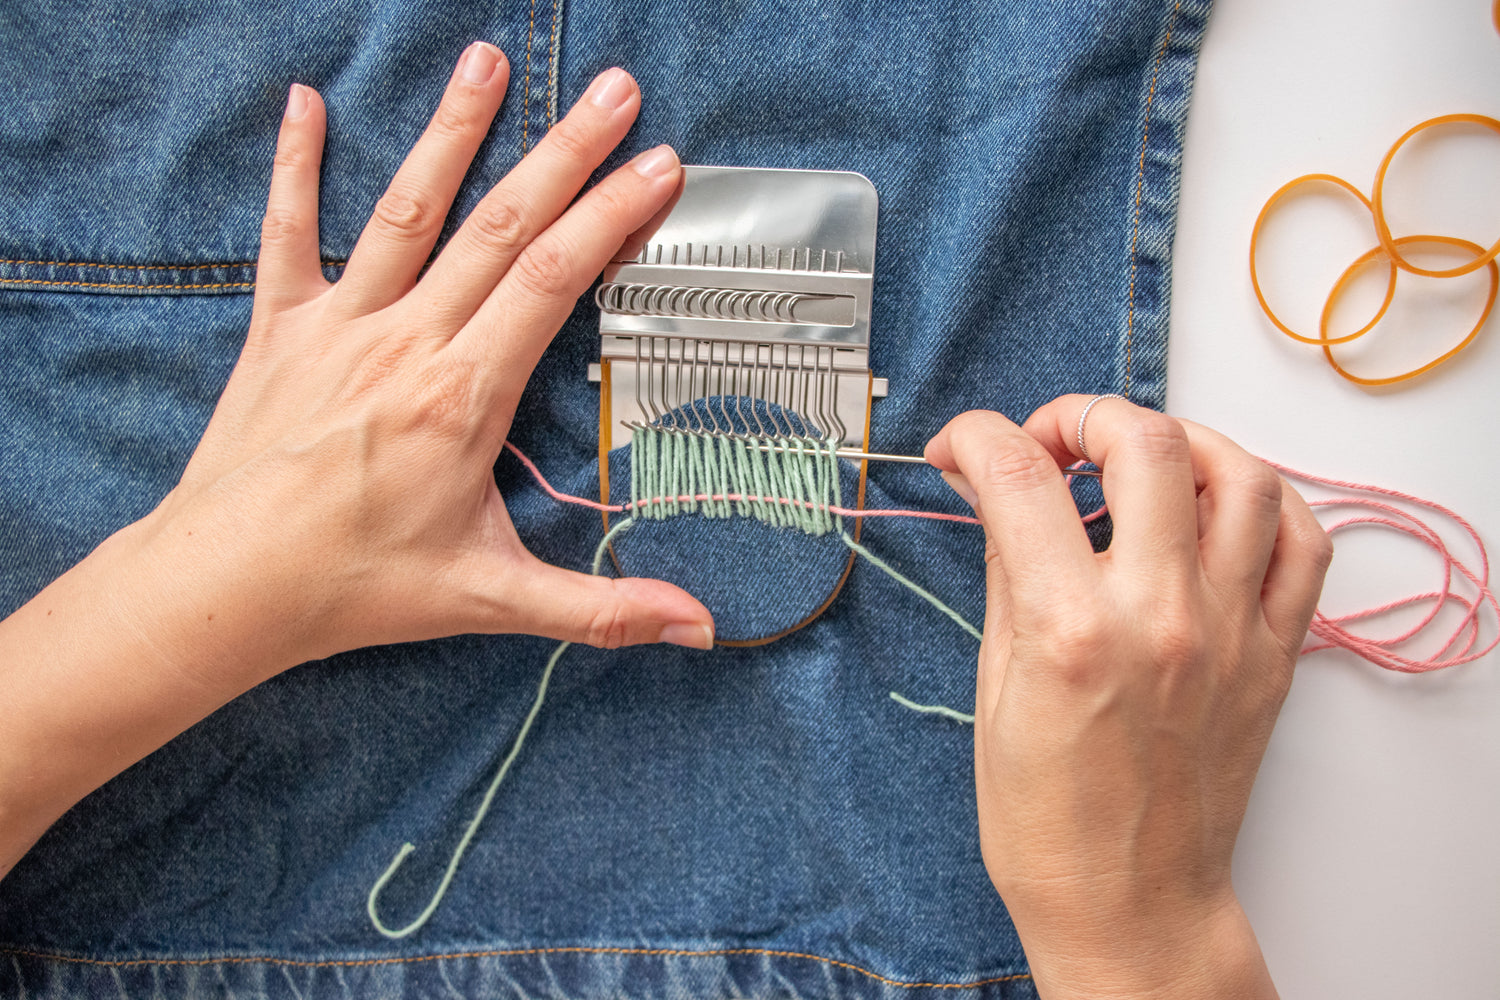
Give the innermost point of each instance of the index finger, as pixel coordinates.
(1026, 507)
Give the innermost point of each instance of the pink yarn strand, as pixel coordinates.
(1334, 631)
(1328, 631)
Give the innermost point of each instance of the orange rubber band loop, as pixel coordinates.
(1377, 195)
(1323, 339)
(1374, 254)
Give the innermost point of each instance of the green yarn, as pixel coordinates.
(489, 795)
(915, 588)
(667, 464)
(943, 710)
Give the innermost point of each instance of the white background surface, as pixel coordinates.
(1370, 858)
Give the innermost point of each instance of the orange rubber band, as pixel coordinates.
(1260, 295)
(1377, 252)
(1377, 196)
(1388, 249)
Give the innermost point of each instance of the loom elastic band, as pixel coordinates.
(1370, 255)
(1377, 198)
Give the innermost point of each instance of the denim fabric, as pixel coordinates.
(746, 822)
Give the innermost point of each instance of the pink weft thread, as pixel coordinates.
(621, 508)
(1332, 631)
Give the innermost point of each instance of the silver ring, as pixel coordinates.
(1084, 416)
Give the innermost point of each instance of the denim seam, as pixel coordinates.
(25, 283)
(553, 71)
(526, 86)
(141, 267)
(550, 107)
(511, 952)
(1140, 185)
(20, 275)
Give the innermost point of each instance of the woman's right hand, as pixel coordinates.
(1125, 699)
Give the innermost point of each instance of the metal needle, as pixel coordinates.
(873, 456)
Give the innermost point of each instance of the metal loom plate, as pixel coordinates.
(752, 282)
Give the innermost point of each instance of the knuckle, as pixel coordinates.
(544, 270)
(444, 398)
(607, 628)
(1016, 464)
(378, 364)
(406, 214)
(572, 139)
(454, 120)
(289, 156)
(1259, 484)
(500, 223)
(1074, 640)
(280, 225)
(1320, 550)
(1157, 435)
(612, 202)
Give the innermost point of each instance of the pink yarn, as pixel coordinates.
(1332, 631)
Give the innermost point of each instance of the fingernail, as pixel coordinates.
(296, 102)
(479, 62)
(694, 636)
(611, 89)
(961, 487)
(655, 162)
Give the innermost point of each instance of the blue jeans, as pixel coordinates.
(753, 822)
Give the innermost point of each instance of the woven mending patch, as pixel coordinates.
(745, 523)
(782, 481)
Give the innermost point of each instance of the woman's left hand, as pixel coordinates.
(349, 461)
(343, 494)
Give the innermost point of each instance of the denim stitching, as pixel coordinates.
(1140, 184)
(526, 85)
(141, 267)
(115, 284)
(552, 70)
(21, 282)
(510, 952)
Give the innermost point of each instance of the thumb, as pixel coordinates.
(605, 612)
